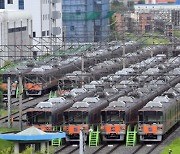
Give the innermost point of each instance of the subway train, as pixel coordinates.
(13, 73)
(119, 114)
(78, 78)
(44, 78)
(48, 114)
(19, 70)
(86, 113)
(52, 110)
(158, 116)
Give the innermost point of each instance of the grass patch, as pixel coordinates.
(147, 38)
(6, 146)
(174, 146)
(3, 129)
(177, 33)
(5, 112)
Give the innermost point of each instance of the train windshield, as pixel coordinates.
(76, 117)
(67, 84)
(39, 117)
(150, 117)
(13, 78)
(113, 117)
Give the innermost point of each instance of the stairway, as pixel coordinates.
(52, 94)
(94, 137)
(18, 92)
(57, 142)
(131, 138)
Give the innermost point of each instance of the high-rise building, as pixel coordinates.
(86, 20)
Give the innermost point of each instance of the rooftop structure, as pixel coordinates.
(31, 136)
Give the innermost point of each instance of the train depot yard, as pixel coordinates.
(97, 101)
(85, 77)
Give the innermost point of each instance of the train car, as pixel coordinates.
(20, 69)
(43, 79)
(49, 114)
(157, 117)
(13, 74)
(82, 115)
(86, 114)
(176, 52)
(74, 80)
(102, 69)
(119, 114)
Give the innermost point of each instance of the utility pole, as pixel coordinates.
(123, 39)
(9, 102)
(20, 101)
(82, 70)
(81, 141)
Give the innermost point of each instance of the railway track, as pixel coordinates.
(26, 105)
(142, 148)
(67, 149)
(151, 148)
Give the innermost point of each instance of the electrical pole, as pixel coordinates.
(123, 39)
(9, 102)
(81, 141)
(20, 101)
(82, 70)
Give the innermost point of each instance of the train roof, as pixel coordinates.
(89, 86)
(123, 103)
(161, 103)
(57, 100)
(76, 75)
(44, 105)
(18, 69)
(75, 92)
(88, 104)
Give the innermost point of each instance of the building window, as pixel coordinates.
(10, 1)
(72, 28)
(47, 33)
(2, 5)
(78, 12)
(34, 34)
(21, 4)
(147, 28)
(148, 18)
(43, 33)
(18, 29)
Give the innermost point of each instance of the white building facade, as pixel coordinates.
(15, 32)
(47, 19)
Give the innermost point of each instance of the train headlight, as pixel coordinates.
(65, 128)
(102, 128)
(140, 128)
(160, 127)
(123, 127)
